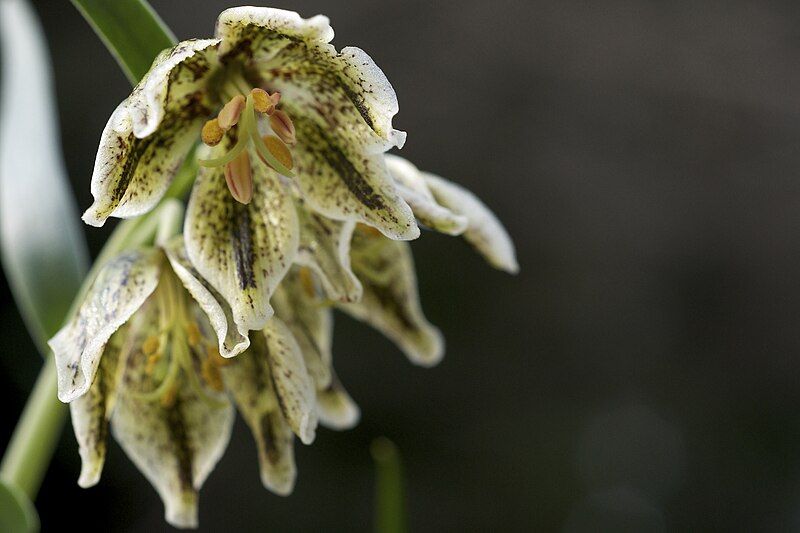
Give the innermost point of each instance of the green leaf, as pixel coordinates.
(390, 515)
(130, 29)
(42, 244)
(17, 514)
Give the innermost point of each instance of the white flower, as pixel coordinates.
(142, 356)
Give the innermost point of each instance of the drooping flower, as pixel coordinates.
(143, 357)
(280, 113)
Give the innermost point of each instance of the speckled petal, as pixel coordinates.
(121, 287)
(243, 251)
(249, 382)
(342, 181)
(390, 302)
(148, 136)
(325, 248)
(293, 386)
(174, 444)
(344, 90)
(336, 409)
(484, 231)
(414, 190)
(231, 339)
(299, 304)
(91, 412)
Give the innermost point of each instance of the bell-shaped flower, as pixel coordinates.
(150, 356)
(277, 111)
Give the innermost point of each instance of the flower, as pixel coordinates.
(143, 357)
(281, 114)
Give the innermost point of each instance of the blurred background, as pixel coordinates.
(642, 372)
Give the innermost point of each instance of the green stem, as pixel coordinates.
(390, 515)
(35, 438)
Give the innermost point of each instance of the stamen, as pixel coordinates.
(212, 375)
(263, 102)
(169, 397)
(193, 334)
(150, 345)
(278, 150)
(239, 178)
(307, 281)
(212, 133)
(283, 126)
(229, 116)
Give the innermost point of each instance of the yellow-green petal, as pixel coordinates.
(148, 136)
(243, 251)
(390, 302)
(119, 289)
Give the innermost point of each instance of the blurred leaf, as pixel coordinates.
(390, 513)
(17, 514)
(43, 248)
(115, 22)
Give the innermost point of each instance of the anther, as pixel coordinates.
(307, 281)
(211, 375)
(278, 150)
(193, 334)
(229, 116)
(212, 133)
(169, 397)
(239, 178)
(282, 126)
(263, 102)
(150, 345)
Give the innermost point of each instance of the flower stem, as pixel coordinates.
(35, 438)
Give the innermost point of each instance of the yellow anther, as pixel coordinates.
(169, 397)
(263, 102)
(150, 365)
(283, 126)
(212, 134)
(239, 177)
(193, 334)
(150, 345)
(231, 112)
(307, 281)
(278, 150)
(212, 375)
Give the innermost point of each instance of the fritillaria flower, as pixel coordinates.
(279, 114)
(147, 356)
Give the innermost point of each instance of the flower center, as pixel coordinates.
(169, 351)
(240, 117)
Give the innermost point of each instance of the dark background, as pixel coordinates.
(643, 370)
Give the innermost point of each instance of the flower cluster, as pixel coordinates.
(296, 210)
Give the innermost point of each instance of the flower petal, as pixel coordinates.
(242, 250)
(148, 136)
(91, 412)
(390, 302)
(343, 181)
(484, 232)
(346, 90)
(325, 248)
(119, 289)
(247, 378)
(299, 306)
(336, 409)
(414, 190)
(293, 386)
(232, 340)
(174, 444)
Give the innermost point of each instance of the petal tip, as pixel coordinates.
(92, 218)
(181, 511)
(307, 431)
(90, 473)
(279, 485)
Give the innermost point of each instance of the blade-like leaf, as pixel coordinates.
(43, 248)
(130, 29)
